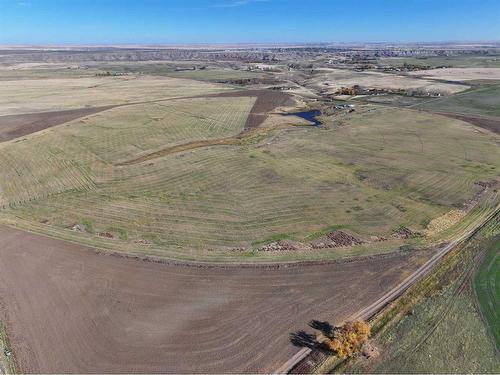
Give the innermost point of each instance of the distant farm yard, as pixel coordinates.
(80, 180)
(201, 210)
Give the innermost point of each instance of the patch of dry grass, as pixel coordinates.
(367, 175)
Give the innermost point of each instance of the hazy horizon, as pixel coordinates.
(250, 44)
(201, 22)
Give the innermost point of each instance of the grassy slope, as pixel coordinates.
(340, 78)
(168, 69)
(452, 61)
(93, 69)
(80, 156)
(459, 345)
(7, 362)
(367, 176)
(441, 331)
(39, 95)
(479, 101)
(47, 72)
(487, 287)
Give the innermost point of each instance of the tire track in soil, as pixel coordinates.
(69, 309)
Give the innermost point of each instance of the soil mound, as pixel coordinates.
(283, 245)
(336, 238)
(64, 302)
(105, 235)
(405, 233)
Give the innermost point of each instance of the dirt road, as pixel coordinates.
(370, 310)
(68, 309)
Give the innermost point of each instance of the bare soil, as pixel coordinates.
(489, 123)
(69, 309)
(267, 101)
(337, 238)
(15, 126)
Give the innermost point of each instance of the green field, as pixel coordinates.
(177, 70)
(366, 176)
(449, 61)
(478, 101)
(436, 327)
(393, 100)
(458, 344)
(118, 70)
(45, 72)
(487, 287)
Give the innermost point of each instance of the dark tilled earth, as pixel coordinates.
(15, 126)
(489, 123)
(267, 101)
(69, 309)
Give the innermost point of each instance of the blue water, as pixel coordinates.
(308, 115)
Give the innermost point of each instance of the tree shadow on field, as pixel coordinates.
(303, 339)
(325, 327)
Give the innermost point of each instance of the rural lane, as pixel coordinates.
(369, 311)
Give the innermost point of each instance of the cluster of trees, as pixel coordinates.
(348, 339)
(346, 91)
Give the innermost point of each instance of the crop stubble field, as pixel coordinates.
(100, 177)
(365, 176)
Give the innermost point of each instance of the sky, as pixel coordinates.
(246, 21)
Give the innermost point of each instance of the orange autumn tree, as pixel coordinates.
(348, 339)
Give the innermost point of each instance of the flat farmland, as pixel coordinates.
(333, 79)
(54, 94)
(460, 74)
(15, 126)
(155, 221)
(487, 288)
(23, 71)
(71, 310)
(482, 101)
(448, 61)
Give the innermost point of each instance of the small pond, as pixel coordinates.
(308, 115)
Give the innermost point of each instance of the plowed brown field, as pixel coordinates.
(69, 309)
(490, 123)
(19, 125)
(15, 126)
(267, 101)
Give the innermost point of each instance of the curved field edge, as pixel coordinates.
(475, 101)
(487, 288)
(194, 201)
(7, 359)
(69, 309)
(484, 209)
(40, 95)
(435, 326)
